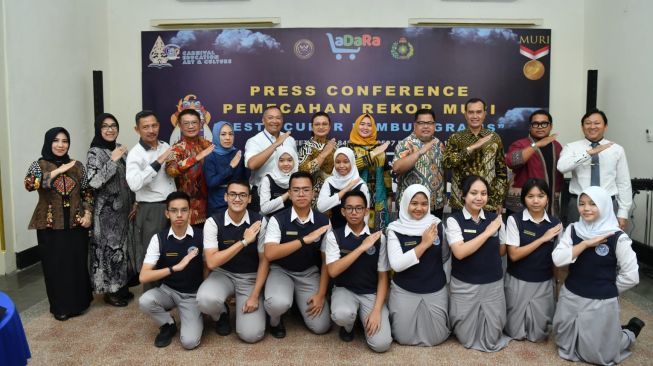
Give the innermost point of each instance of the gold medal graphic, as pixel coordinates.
(533, 70)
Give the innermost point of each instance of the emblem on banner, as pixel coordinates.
(161, 53)
(304, 49)
(190, 101)
(534, 69)
(402, 49)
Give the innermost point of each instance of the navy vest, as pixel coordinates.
(245, 261)
(275, 192)
(594, 274)
(427, 276)
(337, 220)
(308, 255)
(172, 251)
(484, 265)
(362, 276)
(537, 266)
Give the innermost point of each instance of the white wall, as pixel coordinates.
(617, 44)
(50, 49)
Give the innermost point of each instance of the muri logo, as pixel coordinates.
(348, 44)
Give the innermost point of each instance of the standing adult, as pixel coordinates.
(260, 148)
(418, 160)
(316, 154)
(147, 178)
(106, 169)
(61, 218)
(476, 151)
(596, 161)
(185, 164)
(535, 156)
(372, 167)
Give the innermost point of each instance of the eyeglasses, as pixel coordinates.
(425, 123)
(175, 211)
(298, 190)
(232, 195)
(540, 124)
(109, 127)
(191, 123)
(357, 209)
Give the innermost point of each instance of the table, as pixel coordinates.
(14, 349)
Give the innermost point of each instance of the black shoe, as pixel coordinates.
(165, 335)
(346, 336)
(115, 300)
(61, 317)
(279, 331)
(125, 294)
(222, 326)
(634, 325)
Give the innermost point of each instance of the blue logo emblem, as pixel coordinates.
(602, 250)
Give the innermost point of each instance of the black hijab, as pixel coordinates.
(46, 150)
(98, 141)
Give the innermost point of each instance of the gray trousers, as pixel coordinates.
(221, 284)
(159, 300)
(345, 305)
(279, 289)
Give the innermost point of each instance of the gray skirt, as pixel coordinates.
(589, 330)
(529, 307)
(478, 315)
(418, 319)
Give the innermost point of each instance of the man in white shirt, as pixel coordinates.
(146, 176)
(595, 161)
(260, 148)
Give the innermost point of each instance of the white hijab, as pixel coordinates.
(281, 178)
(606, 223)
(406, 224)
(340, 181)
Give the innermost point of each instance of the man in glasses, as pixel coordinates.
(418, 160)
(535, 156)
(233, 250)
(295, 248)
(185, 164)
(357, 260)
(172, 258)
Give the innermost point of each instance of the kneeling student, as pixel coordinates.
(235, 255)
(172, 258)
(358, 262)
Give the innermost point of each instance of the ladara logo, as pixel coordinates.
(161, 53)
(351, 45)
(402, 49)
(304, 49)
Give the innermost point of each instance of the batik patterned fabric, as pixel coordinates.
(307, 163)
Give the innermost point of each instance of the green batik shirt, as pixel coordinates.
(487, 162)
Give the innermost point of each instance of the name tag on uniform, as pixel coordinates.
(529, 233)
(172, 254)
(294, 233)
(410, 243)
(470, 231)
(229, 242)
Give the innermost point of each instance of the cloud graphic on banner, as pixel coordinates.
(183, 38)
(516, 117)
(483, 35)
(245, 41)
(415, 31)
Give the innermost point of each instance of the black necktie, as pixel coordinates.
(595, 179)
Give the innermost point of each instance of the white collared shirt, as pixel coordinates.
(273, 232)
(150, 185)
(512, 233)
(327, 201)
(614, 173)
(152, 254)
(211, 231)
(332, 250)
(255, 145)
(628, 275)
(455, 234)
(268, 205)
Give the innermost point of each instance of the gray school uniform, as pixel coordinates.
(419, 319)
(530, 307)
(589, 330)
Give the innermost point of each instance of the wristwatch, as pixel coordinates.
(244, 242)
(534, 145)
(171, 270)
(301, 240)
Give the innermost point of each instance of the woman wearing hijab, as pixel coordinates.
(225, 164)
(316, 154)
(418, 301)
(273, 190)
(61, 218)
(372, 167)
(106, 161)
(601, 266)
(477, 239)
(530, 236)
(344, 178)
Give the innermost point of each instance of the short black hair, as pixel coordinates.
(475, 100)
(469, 181)
(300, 174)
(424, 111)
(354, 194)
(177, 195)
(238, 182)
(534, 183)
(593, 111)
(540, 111)
(190, 111)
(320, 114)
(273, 106)
(144, 113)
